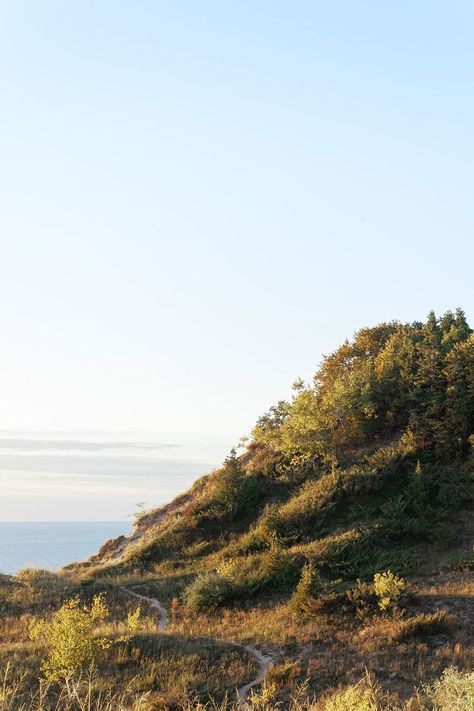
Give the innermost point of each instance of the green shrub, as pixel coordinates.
(401, 518)
(198, 549)
(260, 536)
(208, 591)
(359, 599)
(244, 577)
(453, 487)
(268, 525)
(359, 553)
(388, 589)
(387, 459)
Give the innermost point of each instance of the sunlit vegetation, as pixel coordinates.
(339, 542)
(69, 636)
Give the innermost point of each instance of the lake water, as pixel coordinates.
(52, 545)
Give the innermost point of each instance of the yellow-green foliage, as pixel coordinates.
(453, 691)
(135, 621)
(70, 639)
(229, 569)
(263, 700)
(364, 696)
(388, 588)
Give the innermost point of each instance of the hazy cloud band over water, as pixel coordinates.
(20, 445)
(94, 477)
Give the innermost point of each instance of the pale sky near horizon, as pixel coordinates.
(198, 200)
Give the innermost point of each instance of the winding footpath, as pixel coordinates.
(263, 660)
(153, 602)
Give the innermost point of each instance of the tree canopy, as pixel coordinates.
(390, 378)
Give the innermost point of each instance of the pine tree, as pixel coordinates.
(308, 588)
(429, 389)
(459, 373)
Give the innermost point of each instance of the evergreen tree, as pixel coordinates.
(459, 422)
(429, 389)
(308, 588)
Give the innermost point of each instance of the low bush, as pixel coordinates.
(362, 598)
(231, 492)
(359, 553)
(358, 599)
(260, 536)
(388, 589)
(306, 512)
(453, 691)
(208, 591)
(367, 695)
(244, 577)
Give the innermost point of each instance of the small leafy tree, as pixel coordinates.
(69, 636)
(388, 589)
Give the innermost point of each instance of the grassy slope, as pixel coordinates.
(340, 521)
(333, 646)
(397, 405)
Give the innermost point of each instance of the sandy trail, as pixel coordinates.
(153, 602)
(263, 660)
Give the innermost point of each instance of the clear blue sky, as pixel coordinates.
(199, 199)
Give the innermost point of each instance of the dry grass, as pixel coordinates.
(329, 650)
(172, 670)
(392, 630)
